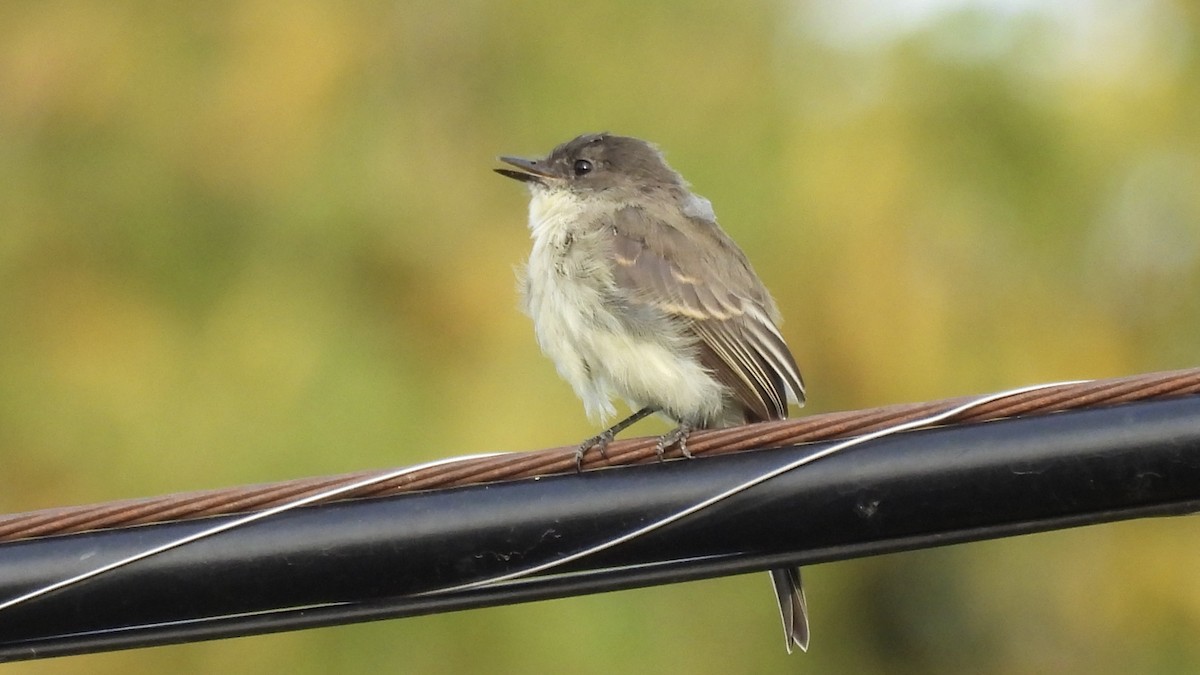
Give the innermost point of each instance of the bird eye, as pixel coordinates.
(582, 167)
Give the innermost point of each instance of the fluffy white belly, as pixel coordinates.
(569, 294)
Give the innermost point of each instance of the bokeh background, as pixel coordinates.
(250, 241)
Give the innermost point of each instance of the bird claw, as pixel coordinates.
(599, 442)
(677, 436)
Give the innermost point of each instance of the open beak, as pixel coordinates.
(530, 170)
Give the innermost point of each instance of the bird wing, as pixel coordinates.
(704, 281)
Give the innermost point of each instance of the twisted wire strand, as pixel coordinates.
(518, 465)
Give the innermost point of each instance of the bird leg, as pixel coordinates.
(601, 440)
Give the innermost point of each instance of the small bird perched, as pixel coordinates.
(635, 291)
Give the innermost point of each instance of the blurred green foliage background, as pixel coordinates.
(250, 241)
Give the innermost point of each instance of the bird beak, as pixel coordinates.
(530, 170)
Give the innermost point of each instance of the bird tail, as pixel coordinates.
(793, 608)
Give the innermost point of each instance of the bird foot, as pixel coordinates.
(599, 441)
(677, 436)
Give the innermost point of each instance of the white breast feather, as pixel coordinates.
(565, 294)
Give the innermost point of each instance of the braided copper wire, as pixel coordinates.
(516, 465)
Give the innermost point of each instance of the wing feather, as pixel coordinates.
(706, 282)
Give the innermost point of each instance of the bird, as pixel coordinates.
(636, 292)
